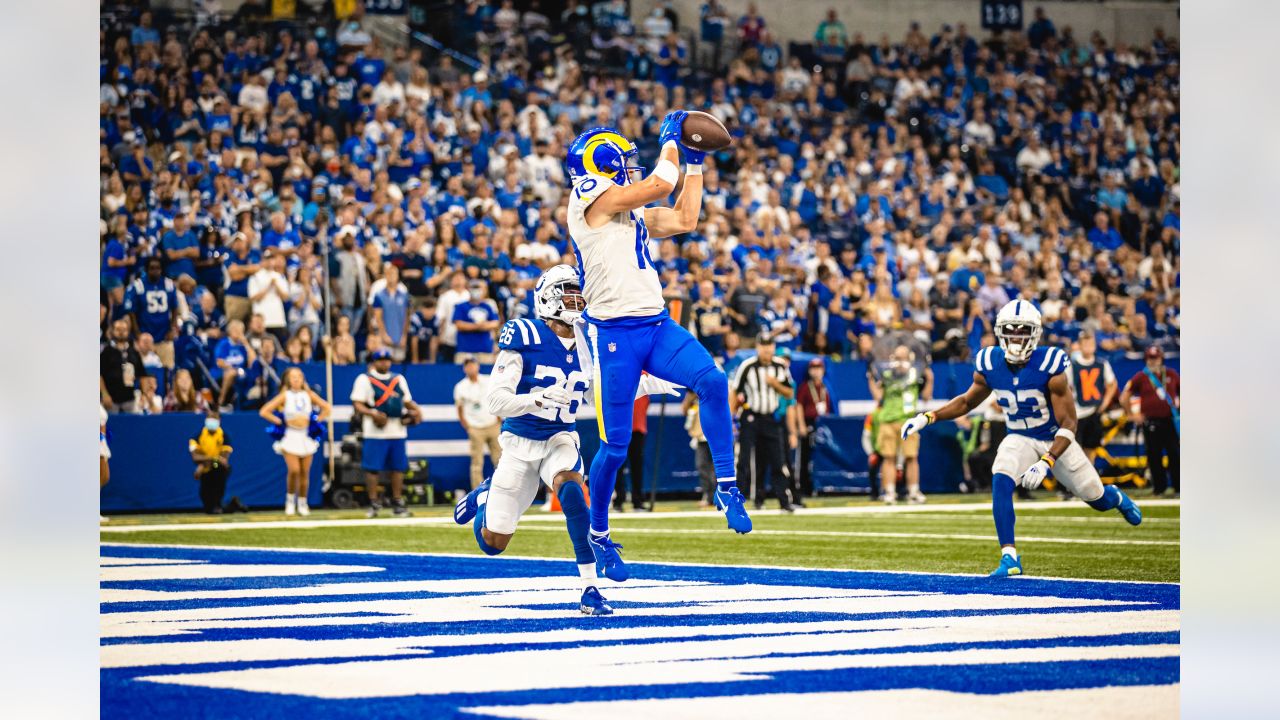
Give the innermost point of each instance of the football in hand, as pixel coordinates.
(702, 131)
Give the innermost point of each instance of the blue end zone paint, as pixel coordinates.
(123, 695)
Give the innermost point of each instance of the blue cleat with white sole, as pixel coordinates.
(467, 506)
(1129, 509)
(608, 558)
(1009, 566)
(734, 506)
(593, 603)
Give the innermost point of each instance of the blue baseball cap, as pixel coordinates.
(380, 354)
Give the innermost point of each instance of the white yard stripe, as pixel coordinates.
(674, 515)
(875, 633)
(204, 571)
(676, 663)
(508, 557)
(113, 561)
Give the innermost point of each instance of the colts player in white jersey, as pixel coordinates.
(1031, 387)
(537, 385)
(628, 330)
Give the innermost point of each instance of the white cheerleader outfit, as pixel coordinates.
(296, 441)
(103, 450)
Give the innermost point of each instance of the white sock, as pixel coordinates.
(1011, 552)
(587, 575)
(290, 499)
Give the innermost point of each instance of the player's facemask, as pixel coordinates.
(1018, 340)
(559, 296)
(571, 297)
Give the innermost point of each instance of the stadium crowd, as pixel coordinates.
(874, 185)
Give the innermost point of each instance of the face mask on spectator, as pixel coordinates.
(212, 424)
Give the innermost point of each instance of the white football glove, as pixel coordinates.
(1034, 475)
(653, 385)
(556, 397)
(915, 425)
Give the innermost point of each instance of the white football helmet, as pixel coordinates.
(558, 295)
(1018, 328)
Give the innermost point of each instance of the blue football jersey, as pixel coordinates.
(546, 363)
(1023, 390)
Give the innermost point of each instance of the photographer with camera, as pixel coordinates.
(382, 399)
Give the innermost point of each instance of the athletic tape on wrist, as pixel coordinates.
(693, 169)
(1063, 432)
(667, 172)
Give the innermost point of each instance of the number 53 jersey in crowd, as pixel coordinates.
(615, 269)
(1023, 391)
(532, 356)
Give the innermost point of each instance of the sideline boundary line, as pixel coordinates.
(447, 520)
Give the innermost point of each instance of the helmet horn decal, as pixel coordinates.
(588, 153)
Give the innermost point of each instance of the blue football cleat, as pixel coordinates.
(608, 558)
(734, 506)
(467, 506)
(1129, 509)
(593, 603)
(1009, 566)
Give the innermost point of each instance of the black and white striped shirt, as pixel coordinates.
(750, 383)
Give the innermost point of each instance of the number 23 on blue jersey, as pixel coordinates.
(1023, 409)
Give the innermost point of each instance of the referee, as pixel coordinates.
(759, 387)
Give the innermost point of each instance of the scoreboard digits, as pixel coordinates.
(1002, 14)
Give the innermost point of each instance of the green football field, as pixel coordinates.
(950, 535)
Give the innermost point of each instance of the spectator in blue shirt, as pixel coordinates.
(280, 239)
(241, 263)
(232, 356)
(989, 181)
(1103, 236)
(181, 247)
(476, 320)
(1041, 30)
(144, 34)
(1110, 195)
(1148, 187)
(424, 334)
(389, 311)
(478, 92)
(671, 57)
(970, 277)
(117, 261)
(152, 302)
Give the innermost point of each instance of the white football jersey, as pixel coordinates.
(618, 275)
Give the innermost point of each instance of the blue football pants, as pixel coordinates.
(624, 348)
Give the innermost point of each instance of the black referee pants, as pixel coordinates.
(1161, 439)
(803, 487)
(762, 459)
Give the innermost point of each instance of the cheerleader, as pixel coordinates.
(292, 410)
(104, 454)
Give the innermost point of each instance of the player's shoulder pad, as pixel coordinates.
(519, 335)
(987, 359)
(590, 186)
(1050, 360)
